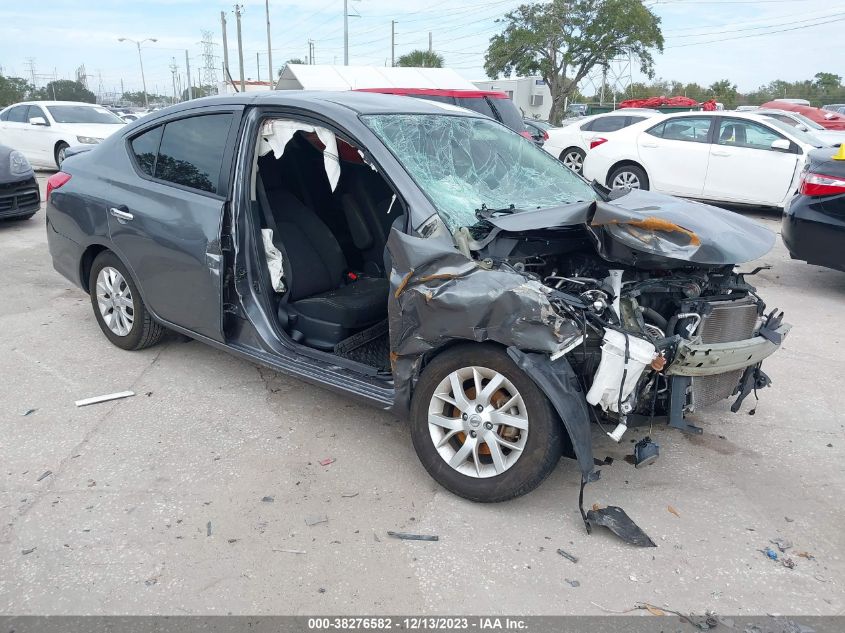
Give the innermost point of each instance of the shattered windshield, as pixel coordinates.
(469, 167)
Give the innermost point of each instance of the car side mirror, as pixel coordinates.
(38, 120)
(782, 145)
(803, 128)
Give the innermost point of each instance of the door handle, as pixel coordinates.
(123, 216)
(652, 145)
(718, 153)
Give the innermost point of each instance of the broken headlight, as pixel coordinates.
(655, 235)
(18, 164)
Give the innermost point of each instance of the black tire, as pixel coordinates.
(57, 154)
(543, 445)
(633, 170)
(144, 332)
(573, 158)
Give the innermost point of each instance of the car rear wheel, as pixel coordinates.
(61, 148)
(118, 306)
(573, 158)
(628, 177)
(481, 427)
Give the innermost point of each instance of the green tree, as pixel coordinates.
(725, 92)
(827, 82)
(563, 40)
(65, 90)
(198, 91)
(13, 89)
(421, 59)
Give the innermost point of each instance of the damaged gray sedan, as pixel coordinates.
(425, 259)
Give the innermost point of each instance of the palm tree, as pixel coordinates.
(421, 59)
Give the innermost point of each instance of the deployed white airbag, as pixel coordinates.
(274, 260)
(276, 134)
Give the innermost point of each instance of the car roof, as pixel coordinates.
(765, 111)
(54, 103)
(358, 101)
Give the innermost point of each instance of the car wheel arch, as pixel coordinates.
(56, 147)
(571, 148)
(622, 163)
(87, 261)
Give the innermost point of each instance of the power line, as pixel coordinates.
(738, 37)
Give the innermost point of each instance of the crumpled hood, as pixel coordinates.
(643, 226)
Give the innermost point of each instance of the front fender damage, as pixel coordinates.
(439, 296)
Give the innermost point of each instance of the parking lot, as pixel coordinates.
(192, 496)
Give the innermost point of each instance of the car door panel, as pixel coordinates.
(743, 167)
(675, 154)
(168, 231)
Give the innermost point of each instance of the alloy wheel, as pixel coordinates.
(626, 180)
(114, 299)
(574, 161)
(478, 422)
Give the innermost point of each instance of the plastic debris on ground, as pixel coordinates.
(290, 551)
(617, 521)
(314, 519)
(29, 412)
(267, 499)
(327, 461)
(645, 452)
(208, 529)
(572, 583)
(770, 553)
(568, 556)
(45, 475)
(407, 536)
(782, 544)
(105, 398)
(673, 511)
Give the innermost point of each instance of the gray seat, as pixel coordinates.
(323, 305)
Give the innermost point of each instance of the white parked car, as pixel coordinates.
(734, 157)
(802, 123)
(572, 142)
(43, 130)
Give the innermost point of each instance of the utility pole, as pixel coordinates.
(173, 68)
(392, 42)
(141, 61)
(311, 50)
(257, 67)
(188, 77)
(429, 43)
(240, 46)
(346, 32)
(269, 49)
(225, 47)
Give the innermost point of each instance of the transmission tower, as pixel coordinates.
(612, 80)
(30, 66)
(208, 74)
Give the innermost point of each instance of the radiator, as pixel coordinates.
(727, 321)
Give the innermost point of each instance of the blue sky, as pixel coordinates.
(60, 35)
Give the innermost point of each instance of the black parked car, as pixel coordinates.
(19, 194)
(813, 226)
(427, 260)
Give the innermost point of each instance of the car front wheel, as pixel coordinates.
(628, 177)
(118, 306)
(481, 427)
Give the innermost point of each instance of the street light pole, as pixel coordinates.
(141, 61)
(345, 33)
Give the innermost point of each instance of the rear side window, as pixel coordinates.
(145, 149)
(606, 124)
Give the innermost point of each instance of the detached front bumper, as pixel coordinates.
(710, 359)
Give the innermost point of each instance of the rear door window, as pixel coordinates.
(477, 104)
(690, 129)
(18, 114)
(191, 151)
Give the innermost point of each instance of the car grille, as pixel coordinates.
(14, 200)
(727, 321)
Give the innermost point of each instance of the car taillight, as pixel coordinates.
(55, 181)
(527, 135)
(597, 141)
(545, 136)
(821, 185)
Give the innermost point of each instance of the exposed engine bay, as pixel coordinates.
(641, 322)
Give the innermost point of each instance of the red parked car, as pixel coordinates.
(497, 105)
(825, 118)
